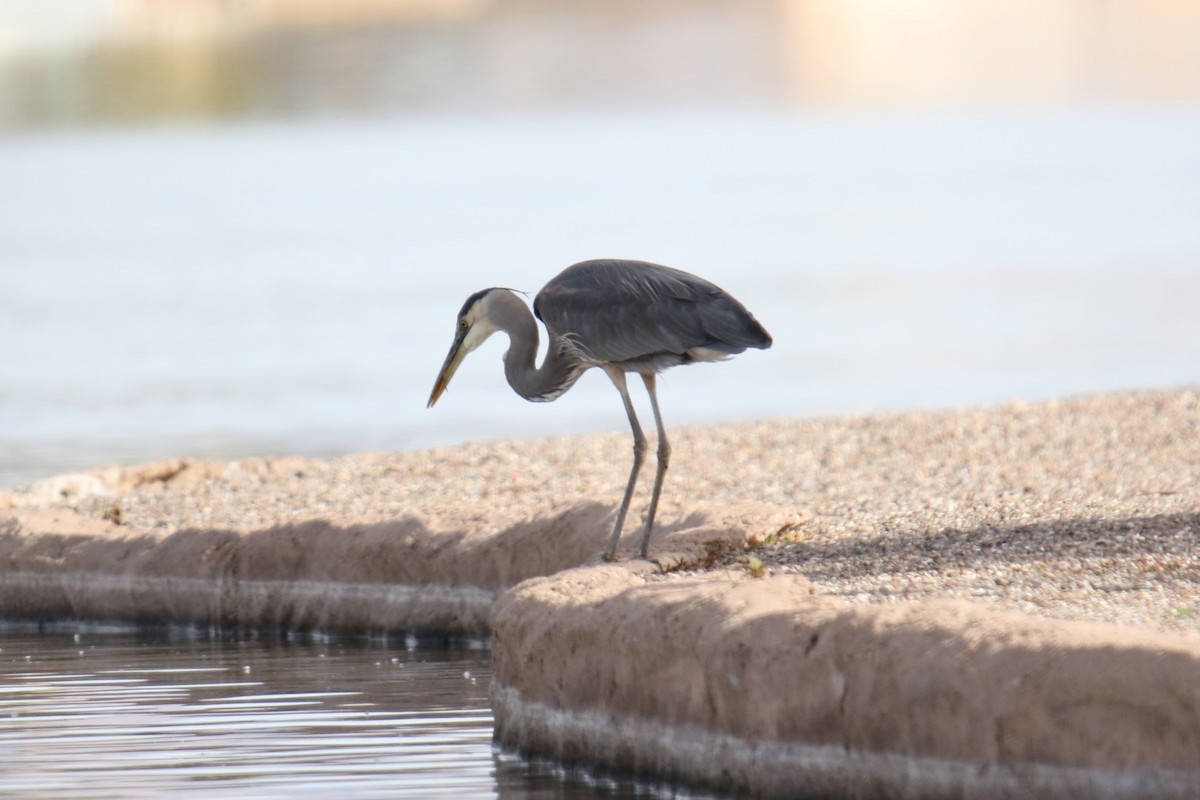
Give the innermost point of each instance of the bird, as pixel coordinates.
(619, 315)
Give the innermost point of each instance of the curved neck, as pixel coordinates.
(540, 384)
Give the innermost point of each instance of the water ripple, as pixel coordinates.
(95, 717)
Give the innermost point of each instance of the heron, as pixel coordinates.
(621, 316)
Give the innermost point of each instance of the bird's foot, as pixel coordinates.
(658, 565)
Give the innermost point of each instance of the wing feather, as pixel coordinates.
(618, 311)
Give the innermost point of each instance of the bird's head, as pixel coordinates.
(473, 327)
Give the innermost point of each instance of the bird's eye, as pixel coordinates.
(462, 323)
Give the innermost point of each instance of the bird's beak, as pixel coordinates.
(453, 359)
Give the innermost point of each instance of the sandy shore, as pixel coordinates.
(1086, 508)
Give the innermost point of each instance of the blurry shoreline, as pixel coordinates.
(135, 60)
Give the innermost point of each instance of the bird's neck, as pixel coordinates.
(557, 372)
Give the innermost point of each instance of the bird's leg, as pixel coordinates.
(639, 455)
(664, 459)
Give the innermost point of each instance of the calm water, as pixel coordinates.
(95, 713)
(252, 238)
(272, 290)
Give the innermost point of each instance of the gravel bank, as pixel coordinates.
(1087, 508)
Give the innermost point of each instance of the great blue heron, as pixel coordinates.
(621, 316)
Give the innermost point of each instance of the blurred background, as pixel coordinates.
(240, 227)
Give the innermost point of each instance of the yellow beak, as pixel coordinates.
(453, 359)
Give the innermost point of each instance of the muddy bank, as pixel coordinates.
(764, 688)
(1086, 508)
(385, 576)
(398, 576)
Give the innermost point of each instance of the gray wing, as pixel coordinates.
(627, 310)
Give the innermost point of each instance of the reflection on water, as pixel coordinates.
(108, 714)
(102, 715)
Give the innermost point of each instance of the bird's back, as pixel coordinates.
(644, 314)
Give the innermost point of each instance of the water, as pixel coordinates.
(272, 290)
(89, 712)
(229, 232)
